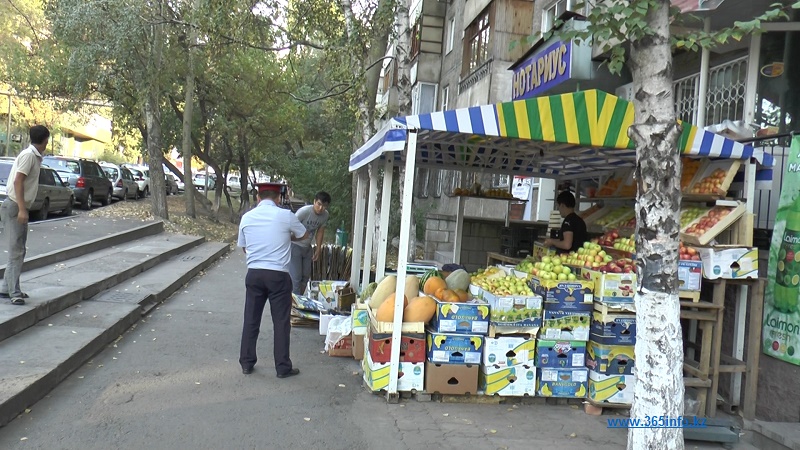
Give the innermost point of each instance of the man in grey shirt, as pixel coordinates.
(313, 217)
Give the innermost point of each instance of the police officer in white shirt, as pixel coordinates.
(265, 235)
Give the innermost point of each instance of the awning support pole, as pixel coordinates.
(386, 204)
(402, 262)
(372, 194)
(358, 231)
(459, 233)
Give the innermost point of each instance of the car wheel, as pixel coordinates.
(68, 209)
(124, 195)
(105, 201)
(87, 202)
(44, 212)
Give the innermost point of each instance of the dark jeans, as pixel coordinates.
(275, 286)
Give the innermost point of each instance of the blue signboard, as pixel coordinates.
(542, 71)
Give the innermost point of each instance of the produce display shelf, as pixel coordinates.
(508, 199)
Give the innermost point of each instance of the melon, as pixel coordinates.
(412, 286)
(459, 279)
(385, 312)
(420, 309)
(387, 286)
(433, 284)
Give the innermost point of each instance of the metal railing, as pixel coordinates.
(725, 97)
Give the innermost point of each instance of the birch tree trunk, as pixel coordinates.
(403, 55)
(659, 389)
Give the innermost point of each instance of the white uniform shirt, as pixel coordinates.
(29, 162)
(265, 233)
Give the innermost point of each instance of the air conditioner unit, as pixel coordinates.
(625, 92)
(16, 138)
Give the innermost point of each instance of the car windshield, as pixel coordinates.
(5, 170)
(111, 172)
(64, 165)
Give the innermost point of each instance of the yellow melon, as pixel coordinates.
(433, 284)
(385, 312)
(420, 309)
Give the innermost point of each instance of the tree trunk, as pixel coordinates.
(186, 146)
(659, 388)
(155, 155)
(402, 52)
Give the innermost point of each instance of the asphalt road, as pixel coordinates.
(173, 382)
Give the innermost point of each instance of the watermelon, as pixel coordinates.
(428, 274)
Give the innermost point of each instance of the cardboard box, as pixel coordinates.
(412, 347)
(561, 354)
(613, 329)
(617, 389)
(410, 376)
(476, 292)
(690, 275)
(324, 319)
(610, 359)
(729, 262)
(358, 346)
(576, 295)
(516, 313)
(452, 348)
(517, 381)
(612, 287)
(343, 347)
(345, 297)
(565, 325)
(539, 251)
(451, 379)
(360, 320)
(506, 351)
(470, 318)
(564, 383)
(325, 291)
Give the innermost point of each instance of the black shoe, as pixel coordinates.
(288, 374)
(247, 371)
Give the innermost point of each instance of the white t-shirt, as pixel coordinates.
(29, 162)
(265, 233)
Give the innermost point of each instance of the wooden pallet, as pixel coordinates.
(689, 295)
(598, 408)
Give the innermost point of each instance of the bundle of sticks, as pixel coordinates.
(333, 264)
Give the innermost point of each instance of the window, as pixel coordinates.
(46, 177)
(451, 33)
(445, 97)
(476, 41)
(554, 11)
(416, 38)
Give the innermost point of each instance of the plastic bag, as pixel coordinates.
(338, 328)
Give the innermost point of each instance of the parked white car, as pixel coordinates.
(142, 177)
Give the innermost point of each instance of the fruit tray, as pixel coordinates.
(690, 167)
(612, 218)
(628, 188)
(708, 226)
(613, 184)
(713, 179)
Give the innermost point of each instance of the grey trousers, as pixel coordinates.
(300, 268)
(17, 238)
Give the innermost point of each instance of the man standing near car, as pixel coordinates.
(265, 235)
(313, 217)
(21, 189)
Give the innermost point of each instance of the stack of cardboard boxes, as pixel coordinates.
(377, 356)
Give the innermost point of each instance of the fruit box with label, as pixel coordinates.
(561, 354)
(610, 359)
(412, 347)
(617, 389)
(517, 381)
(476, 292)
(612, 287)
(729, 262)
(342, 347)
(565, 325)
(576, 295)
(410, 376)
(470, 318)
(565, 383)
(451, 379)
(515, 311)
(505, 351)
(690, 275)
(613, 329)
(454, 348)
(360, 320)
(705, 228)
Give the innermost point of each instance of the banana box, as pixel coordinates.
(453, 348)
(561, 354)
(576, 295)
(565, 383)
(729, 262)
(516, 312)
(565, 325)
(616, 389)
(690, 275)
(610, 359)
(470, 318)
(516, 381)
(506, 351)
(611, 287)
(360, 321)
(613, 329)
(410, 376)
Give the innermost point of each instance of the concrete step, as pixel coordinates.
(57, 287)
(37, 359)
(41, 254)
(772, 435)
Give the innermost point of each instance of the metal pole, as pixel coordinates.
(386, 203)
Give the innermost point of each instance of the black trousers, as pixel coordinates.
(275, 286)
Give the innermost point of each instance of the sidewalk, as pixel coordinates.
(173, 381)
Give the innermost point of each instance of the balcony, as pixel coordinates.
(476, 76)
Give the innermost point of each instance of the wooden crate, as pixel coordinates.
(720, 227)
(612, 185)
(689, 169)
(728, 166)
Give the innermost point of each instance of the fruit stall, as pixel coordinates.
(534, 308)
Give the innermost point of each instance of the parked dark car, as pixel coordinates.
(53, 194)
(86, 178)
